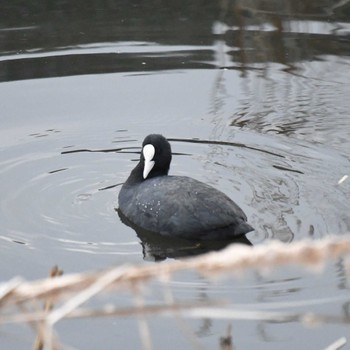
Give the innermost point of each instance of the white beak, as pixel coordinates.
(149, 164)
(148, 153)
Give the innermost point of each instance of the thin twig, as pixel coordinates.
(337, 344)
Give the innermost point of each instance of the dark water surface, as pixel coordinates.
(256, 101)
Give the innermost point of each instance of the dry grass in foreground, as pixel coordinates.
(63, 295)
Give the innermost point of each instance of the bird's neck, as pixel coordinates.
(136, 175)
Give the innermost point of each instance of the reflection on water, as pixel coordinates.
(246, 36)
(254, 97)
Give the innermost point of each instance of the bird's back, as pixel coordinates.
(183, 207)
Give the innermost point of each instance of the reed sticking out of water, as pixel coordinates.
(64, 295)
(48, 306)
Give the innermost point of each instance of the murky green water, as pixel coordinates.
(256, 102)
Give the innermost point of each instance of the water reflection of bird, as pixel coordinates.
(177, 206)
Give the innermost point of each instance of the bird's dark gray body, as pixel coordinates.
(181, 206)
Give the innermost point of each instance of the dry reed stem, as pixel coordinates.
(188, 310)
(226, 341)
(337, 344)
(6, 289)
(42, 327)
(233, 259)
(165, 310)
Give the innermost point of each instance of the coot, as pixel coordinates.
(177, 206)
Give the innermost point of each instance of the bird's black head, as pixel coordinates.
(155, 156)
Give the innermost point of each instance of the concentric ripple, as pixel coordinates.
(52, 202)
